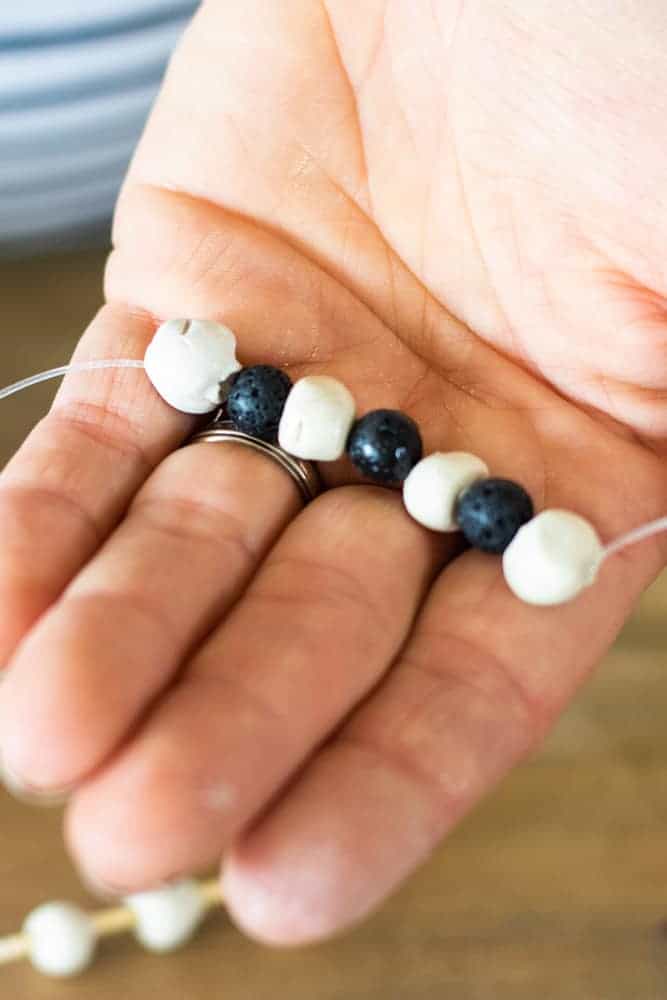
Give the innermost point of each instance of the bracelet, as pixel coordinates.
(546, 559)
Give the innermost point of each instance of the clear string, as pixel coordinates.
(636, 535)
(76, 366)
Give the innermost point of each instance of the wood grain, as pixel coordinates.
(554, 889)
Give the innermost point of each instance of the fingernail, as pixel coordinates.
(96, 887)
(29, 794)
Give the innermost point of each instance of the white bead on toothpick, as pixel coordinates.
(552, 558)
(59, 939)
(166, 918)
(433, 486)
(188, 359)
(317, 418)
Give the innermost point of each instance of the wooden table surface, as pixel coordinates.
(554, 889)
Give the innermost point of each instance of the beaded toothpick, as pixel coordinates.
(60, 939)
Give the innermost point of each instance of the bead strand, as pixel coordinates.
(547, 559)
(315, 419)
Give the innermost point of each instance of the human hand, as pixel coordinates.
(457, 210)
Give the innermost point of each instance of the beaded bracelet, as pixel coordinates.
(547, 559)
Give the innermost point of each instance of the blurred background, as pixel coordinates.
(555, 887)
(77, 79)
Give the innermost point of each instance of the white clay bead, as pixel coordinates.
(433, 486)
(166, 918)
(61, 939)
(317, 418)
(186, 361)
(552, 558)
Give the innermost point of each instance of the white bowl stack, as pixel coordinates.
(77, 79)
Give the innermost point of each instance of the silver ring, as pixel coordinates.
(303, 473)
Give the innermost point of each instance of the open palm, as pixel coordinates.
(457, 209)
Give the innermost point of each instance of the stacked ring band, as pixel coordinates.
(303, 473)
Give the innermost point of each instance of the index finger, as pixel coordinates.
(72, 478)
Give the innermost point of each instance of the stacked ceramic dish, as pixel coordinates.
(77, 80)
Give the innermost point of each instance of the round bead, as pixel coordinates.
(256, 400)
(167, 917)
(491, 511)
(385, 445)
(432, 488)
(188, 359)
(61, 939)
(317, 418)
(552, 558)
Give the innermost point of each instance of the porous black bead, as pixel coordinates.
(491, 511)
(256, 400)
(384, 445)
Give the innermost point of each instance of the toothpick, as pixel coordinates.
(107, 923)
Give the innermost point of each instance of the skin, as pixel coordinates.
(459, 210)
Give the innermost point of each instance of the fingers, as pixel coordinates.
(315, 630)
(72, 478)
(477, 685)
(190, 542)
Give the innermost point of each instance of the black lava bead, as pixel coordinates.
(384, 445)
(256, 400)
(491, 511)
